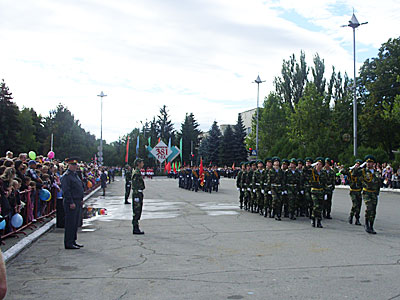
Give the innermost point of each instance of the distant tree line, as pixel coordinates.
(311, 115)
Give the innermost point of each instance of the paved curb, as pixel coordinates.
(27, 241)
(346, 187)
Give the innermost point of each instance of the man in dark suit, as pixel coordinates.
(72, 188)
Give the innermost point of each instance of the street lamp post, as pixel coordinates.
(101, 127)
(353, 23)
(258, 81)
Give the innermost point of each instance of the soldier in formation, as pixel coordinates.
(306, 189)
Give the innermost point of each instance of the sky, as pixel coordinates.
(198, 56)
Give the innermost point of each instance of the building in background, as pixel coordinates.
(247, 117)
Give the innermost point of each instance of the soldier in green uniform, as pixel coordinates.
(307, 187)
(276, 187)
(371, 188)
(128, 178)
(355, 191)
(318, 181)
(285, 199)
(239, 184)
(266, 190)
(137, 195)
(249, 181)
(257, 184)
(331, 174)
(292, 187)
(246, 186)
(301, 204)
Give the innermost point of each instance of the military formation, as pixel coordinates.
(304, 188)
(191, 179)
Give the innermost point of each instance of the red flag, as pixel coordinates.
(233, 166)
(201, 171)
(174, 167)
(159, 139)
(127, 150)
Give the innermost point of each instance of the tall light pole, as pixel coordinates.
(101, 128)
(258, 81)
(353, 23)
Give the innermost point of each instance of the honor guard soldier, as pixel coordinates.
(276, 187)
(301, 204)
(307, 187)
(195, 179)
(371, 188)
(258, 177)
(245, 187)
(249, 182)
(292, 187)
(239, 185)
(355, 190)
(318, 181)
(331, 174)
(137, 195)
(267, 196)
(128, 184)
(215, 178)
(285, 199)
(72, 188)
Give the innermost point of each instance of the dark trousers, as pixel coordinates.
(137, 205)
(72, 219)
(127, 190)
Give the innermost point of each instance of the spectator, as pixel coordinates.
(9, 155)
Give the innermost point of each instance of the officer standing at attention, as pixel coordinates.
(72, 188)
(128, 178)
(137, 195)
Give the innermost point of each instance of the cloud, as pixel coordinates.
(193, 56)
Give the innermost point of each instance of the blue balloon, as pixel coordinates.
(44, 195)
(17, 220)
(2, 224)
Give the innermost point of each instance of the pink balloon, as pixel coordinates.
(50, 154)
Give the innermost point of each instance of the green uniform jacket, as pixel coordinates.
(293, 180)
(249, 179)
(354, 178)
(276, 180)
(128, 176)
(239, 179)
(319, 181)
(137, 182)
(257, 182)
(331, 175)
(370, 180)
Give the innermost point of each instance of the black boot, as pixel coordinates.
(313, 222)
(136, 230)
(328, 214)
(371, 227)
(350, 219)
(357, 221)
(127, 202)
(241, 205)
(265, 212)
(367, 229)
(292, 217)
(319, 225)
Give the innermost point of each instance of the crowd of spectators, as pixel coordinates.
(22, 178)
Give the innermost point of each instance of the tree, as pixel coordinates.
(190, 137)
(9, 122)
(318, 74)
(380, 78)
(227, 148)
(239, 137)
(290, 85)
(310, 124)
(210, 150)
(26, 135)
(165, 129)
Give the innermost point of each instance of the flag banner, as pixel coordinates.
(127, 150)
(137, 147)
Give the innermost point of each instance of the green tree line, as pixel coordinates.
(309, 114)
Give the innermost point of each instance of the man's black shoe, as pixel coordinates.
(127, 202)
(78, 245)
(72, 247)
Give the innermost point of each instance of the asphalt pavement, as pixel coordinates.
(202, 246)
